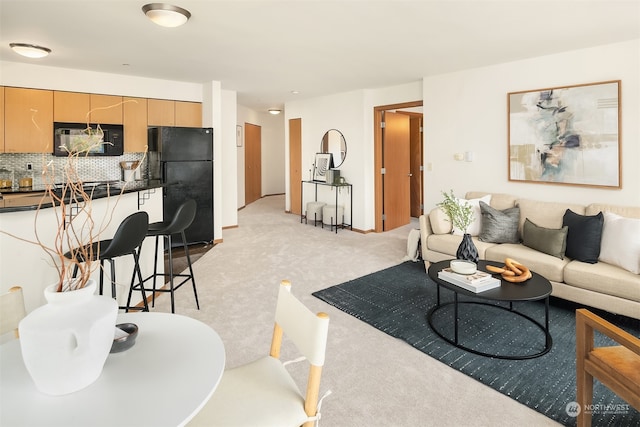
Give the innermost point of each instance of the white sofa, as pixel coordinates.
(600, 285)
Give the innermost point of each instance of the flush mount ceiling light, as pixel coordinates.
(274, 111)
(30, 50)
(166, 15)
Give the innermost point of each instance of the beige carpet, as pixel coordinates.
(376, 380)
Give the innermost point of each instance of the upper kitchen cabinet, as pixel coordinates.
(1, 119)
(161, 112)
(164, 112)
(106, 109)
(135, 124)
(189, 114)
(28, 120)
(71, 107)
(77, 107)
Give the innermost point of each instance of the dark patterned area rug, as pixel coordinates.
(396, 301)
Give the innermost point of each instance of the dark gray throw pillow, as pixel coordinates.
(499, 226)
(584, 236)
(551, 241)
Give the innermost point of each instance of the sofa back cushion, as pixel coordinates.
(626, 211)
(498, 200)
(546, 214)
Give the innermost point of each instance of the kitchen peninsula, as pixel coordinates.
(25, 264)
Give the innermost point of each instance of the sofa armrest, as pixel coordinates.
(425, 231)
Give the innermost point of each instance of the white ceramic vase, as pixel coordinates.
(65, 343)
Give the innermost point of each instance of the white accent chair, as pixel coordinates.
(12, 310)
(262, 393)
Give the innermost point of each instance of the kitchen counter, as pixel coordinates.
(28, 199)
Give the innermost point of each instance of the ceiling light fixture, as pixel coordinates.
(30, 50)
(274, 111)
(166, 15)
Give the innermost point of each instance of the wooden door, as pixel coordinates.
(396, 178)
(415, 135)
(252, 163)
(295, 164)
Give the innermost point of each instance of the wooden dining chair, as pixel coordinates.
(12, 310)
(617, 367)
(263, 393)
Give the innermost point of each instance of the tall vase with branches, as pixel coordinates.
(76, 228)
(460, 214)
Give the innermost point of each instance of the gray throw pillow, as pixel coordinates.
(499, 226)
(551, 241)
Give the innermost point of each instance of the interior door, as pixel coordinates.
(415, 136)
(295, 164)
(252, 163)
(396, 178)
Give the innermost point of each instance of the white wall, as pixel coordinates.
(352, 114)
(467, 111)
(272, 130)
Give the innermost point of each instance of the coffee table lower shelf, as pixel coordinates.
(455, 341)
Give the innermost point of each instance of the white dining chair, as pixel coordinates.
(263, 393)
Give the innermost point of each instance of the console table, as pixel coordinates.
(163, 380)
(336, 188)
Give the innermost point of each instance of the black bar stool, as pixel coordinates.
(127, 240)
(181, 221)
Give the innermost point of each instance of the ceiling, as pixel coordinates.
(265, 49)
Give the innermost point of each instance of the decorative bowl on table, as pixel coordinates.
(461, 266)
(125, 337)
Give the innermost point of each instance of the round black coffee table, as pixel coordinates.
(534, 289)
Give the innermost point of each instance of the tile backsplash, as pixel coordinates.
(94, 168)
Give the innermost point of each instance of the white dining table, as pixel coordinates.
(163, 380)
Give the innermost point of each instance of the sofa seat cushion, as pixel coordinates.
(448, 244)
(548, 266)
(603, 278)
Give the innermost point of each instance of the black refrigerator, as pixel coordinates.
(183, 159)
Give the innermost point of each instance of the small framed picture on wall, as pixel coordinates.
(323, 163)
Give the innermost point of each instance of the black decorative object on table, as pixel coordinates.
(467, 250)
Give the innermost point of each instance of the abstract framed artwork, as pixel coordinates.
(566, 135)
(322, 164)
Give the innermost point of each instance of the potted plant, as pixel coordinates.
(460, 213)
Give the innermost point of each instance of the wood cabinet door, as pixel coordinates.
(106, 109)
(161, 112)
(188, 114)
(135, 124)
(1, 119)
(28, 120)
(71, 107)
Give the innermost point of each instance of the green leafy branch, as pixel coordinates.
(460, 213)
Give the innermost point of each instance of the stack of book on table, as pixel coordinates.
(477, 282)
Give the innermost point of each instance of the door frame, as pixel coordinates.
(377, 155)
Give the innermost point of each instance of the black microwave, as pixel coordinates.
(77, 137)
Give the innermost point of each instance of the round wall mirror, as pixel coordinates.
(333, 142)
